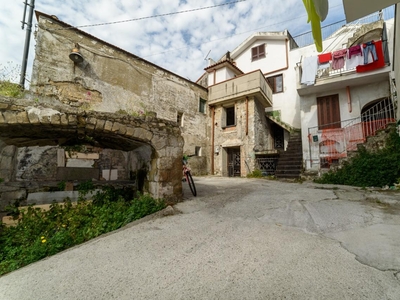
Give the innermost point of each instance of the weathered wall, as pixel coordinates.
(256, 139)
(154, 142)
(113, 80)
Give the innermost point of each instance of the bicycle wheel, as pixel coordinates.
(191, 183)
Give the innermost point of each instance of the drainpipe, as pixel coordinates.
(212, 138)
(349, 99)
(247, 116)
(27, 41)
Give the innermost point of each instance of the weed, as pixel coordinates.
(39, 233)
(8, 76)
(255, 174)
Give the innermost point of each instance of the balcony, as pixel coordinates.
(356, 73)
(252, 84)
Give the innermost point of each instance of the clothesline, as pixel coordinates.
(364, 57)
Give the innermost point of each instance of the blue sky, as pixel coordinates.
(177, 42)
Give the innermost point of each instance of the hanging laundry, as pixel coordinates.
(354, 57)
(369, 47)
(378, 63)
(355, 50)
(309, 68)
(324, 58)
(338, 58)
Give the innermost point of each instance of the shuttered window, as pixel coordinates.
(328, 112)
(258, 52)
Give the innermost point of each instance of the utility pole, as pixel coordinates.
(27, 40)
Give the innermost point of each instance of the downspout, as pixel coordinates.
(247, 115)
(212, 138)
(287, 61)
(349, 99)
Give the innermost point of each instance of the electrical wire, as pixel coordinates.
(155, 16)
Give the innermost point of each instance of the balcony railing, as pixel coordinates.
(250, 84)
(329, 143)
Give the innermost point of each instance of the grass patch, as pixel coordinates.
(255, 174)
(39, 233)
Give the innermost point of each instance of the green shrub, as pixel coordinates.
(39, 233)
(368, 168)
(255, 174)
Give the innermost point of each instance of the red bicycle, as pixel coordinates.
(189, 178)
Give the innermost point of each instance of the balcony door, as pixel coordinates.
(328, 112)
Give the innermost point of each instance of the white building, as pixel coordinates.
(335, 110)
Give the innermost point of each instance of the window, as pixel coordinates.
(202, 105)
(179, 119)
(258, 52)
(328, 112)
(228, 117)
(276, 83)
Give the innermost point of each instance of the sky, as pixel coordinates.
(178, 42)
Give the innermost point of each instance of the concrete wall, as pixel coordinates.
(112, 80)
(275, 57)
(361, 96)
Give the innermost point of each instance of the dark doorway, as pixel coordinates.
(233, 161)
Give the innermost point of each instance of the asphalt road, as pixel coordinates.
(239, 239)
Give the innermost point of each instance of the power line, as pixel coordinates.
(155, 16)
(240, 33)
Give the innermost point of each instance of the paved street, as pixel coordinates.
(239, 239)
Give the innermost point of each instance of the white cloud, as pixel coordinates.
(177, 42)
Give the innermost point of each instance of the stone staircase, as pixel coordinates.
(290, 162)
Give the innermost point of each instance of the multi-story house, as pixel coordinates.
(345, 91)
(242, 86)
(337, 106)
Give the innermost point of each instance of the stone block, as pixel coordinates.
(64, 173)
(9, 197)
(108, 174)
(79, 163)
(69, 186)
(22, 117)
(81, 155)
(10, 117)
(108, 126)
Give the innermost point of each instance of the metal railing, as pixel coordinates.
(306, 39)
(331, 142)
(267, 165)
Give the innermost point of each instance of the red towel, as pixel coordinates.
(324, 58)
(379, 63)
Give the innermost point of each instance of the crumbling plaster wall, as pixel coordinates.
(112, 80)
(257, 138)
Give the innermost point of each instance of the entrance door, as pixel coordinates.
(233, 161)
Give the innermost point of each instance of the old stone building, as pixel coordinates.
(95, 111)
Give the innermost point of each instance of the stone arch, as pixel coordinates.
(366, 33)
(22, 125)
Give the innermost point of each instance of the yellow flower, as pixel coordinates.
(44, 241)
(42, 237)
(63, 225)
